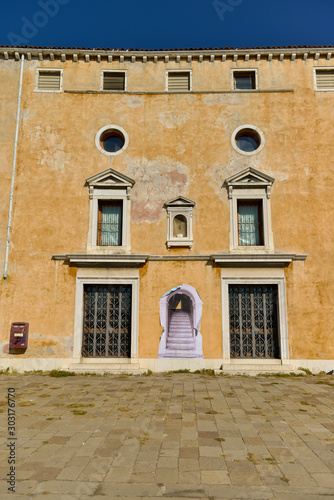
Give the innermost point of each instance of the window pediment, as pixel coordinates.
(110, 178)
(249, 178)
(179, 201)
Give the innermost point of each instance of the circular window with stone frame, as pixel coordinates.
(248, 140)
(111, 140)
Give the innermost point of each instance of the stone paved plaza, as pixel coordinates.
(174, 436)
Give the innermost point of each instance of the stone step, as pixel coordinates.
(253, 368)
(179, 354)
(101, 368)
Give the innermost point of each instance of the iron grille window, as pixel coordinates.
(244, 80)
(113, 81)
(110, 223)
(179, 81)
(250, 224)
(107, 321)
(49, 80)
(253, 321)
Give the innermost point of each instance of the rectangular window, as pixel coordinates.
(110, 223)
(250, 222)
(49, 80)
(324, 79)
(113, 80)
(244, 80)
(178, 81)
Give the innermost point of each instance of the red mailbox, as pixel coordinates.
(19, 335)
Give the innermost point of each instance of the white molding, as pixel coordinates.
(79, 308)
(179, 206)
(245, 127)
(322, 68)
(314, 52)
(248, 278)
(250, 184)
(179, 71)
(123, 71)
(49, 70)
(244, 70)
(109, 185)
(111, 127)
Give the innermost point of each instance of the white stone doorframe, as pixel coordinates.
(79, 310)
(281, 316)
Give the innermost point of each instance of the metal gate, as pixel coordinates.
(253, 321)
(107, 321)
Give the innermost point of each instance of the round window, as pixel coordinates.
(247, 140)
(111, 140)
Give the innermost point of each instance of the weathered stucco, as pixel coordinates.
(179, 145)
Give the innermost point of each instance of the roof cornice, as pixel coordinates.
(143, 55)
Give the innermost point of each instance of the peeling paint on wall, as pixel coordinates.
(172, 119)
(132, 101)
(51, 148)
(229, 99)
(156, 182)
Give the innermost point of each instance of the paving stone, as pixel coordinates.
(46, 473)
(212, 463)
(118, 475)
(215, 477)
(165, 476)
(240, 478)
(191, 477)
(324, 480)
(168, 463)
(188, 464)
(293, 470)
(188, 453)
(70, 473)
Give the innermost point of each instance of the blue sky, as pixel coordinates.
(166, 23)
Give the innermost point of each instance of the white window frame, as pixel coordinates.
(248, 278)
(125, 73)
(110, 128)
(49, 70)
(179, 71)
(244, 70)
(108, 195)
(255, 130)
(259, 189)
(322, 68)
(121, 279)
(102, 189)
(174, 207)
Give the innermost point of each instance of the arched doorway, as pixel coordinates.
(180, 316)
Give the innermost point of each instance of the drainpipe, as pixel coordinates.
(13, 170)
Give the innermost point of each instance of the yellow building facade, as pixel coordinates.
(167, 209)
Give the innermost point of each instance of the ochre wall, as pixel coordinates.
(178, 145)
